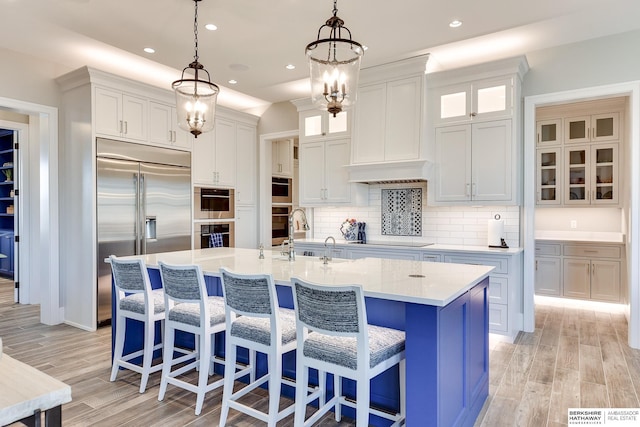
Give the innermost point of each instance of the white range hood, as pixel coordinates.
(401, 172)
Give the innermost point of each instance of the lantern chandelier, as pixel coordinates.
(334, 64)
(195, 97)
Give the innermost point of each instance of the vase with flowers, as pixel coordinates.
(349, 229)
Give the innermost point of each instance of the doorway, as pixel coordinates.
(37, 129)
(631, 210)
(10, 209)
(265, 173)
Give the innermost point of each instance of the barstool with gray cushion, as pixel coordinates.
(333, 337)
(255, 321)
(190, 309)
(135, 300)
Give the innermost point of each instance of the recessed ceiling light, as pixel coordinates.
(233, 82)
(149, 50)
(211, 27)
(290, 67)
(455, 23)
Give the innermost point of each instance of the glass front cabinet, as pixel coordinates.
(591, 128)
(591, 175)
(549, 132)
(480, 100)
(549, 176)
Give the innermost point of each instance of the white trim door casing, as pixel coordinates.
(632, 90)
(39, 265)
(264, 170)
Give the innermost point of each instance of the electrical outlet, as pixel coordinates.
(574, 223)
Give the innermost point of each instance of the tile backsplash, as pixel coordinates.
(454, 225)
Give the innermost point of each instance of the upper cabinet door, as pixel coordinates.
(108, 112)
(388, 122)
(134, 115)
(120, 115)
(594, 128)
(370, 124)
(403, 119)
(454, 103)
(225, 152)
(492, 99)
(318, 125)
(491, 161)
(480, 100)
(453, 163)
(604, 127)
(549, 132)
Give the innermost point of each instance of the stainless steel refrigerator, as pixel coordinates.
(143, 206)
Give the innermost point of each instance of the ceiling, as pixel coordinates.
(255, 39)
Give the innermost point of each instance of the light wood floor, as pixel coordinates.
(577, 357)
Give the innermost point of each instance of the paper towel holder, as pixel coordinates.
(503, 244)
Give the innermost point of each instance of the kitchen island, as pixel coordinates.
(442, 307)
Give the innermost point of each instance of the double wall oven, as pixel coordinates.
(281, 206)
(213, 203)
(217, 205)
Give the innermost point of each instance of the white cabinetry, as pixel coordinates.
(246, 165)
(246, 227)
(324, 151)
(388, 121)
(478, 100)
(505, 281)
(120, 115)
(474, 128)
(505, 289)
(282, 158)
(214, 155)
(323, 178)
(163, 128)
(318, 125)
(474, 162)
(363, 252)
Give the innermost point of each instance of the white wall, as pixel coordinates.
(590, 63)
(455, 225)
(279, 117)
(587, 219)
(26, 78)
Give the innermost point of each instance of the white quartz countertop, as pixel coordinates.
(415, 246)
(418, 282)
(581, 236)
(23, 389)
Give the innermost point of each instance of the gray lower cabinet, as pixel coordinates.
(579, 270)
(548, 276)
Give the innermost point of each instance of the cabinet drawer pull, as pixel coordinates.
(590, 251)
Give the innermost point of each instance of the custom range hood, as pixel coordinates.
(401, 172)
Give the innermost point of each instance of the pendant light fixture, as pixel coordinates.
(195, 97)
(334, 64)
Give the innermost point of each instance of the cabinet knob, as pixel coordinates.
(472, 114)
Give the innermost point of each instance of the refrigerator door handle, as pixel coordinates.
(136, 185)
(143, 214)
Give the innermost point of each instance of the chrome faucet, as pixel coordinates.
(305, 227)
(327, 254)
